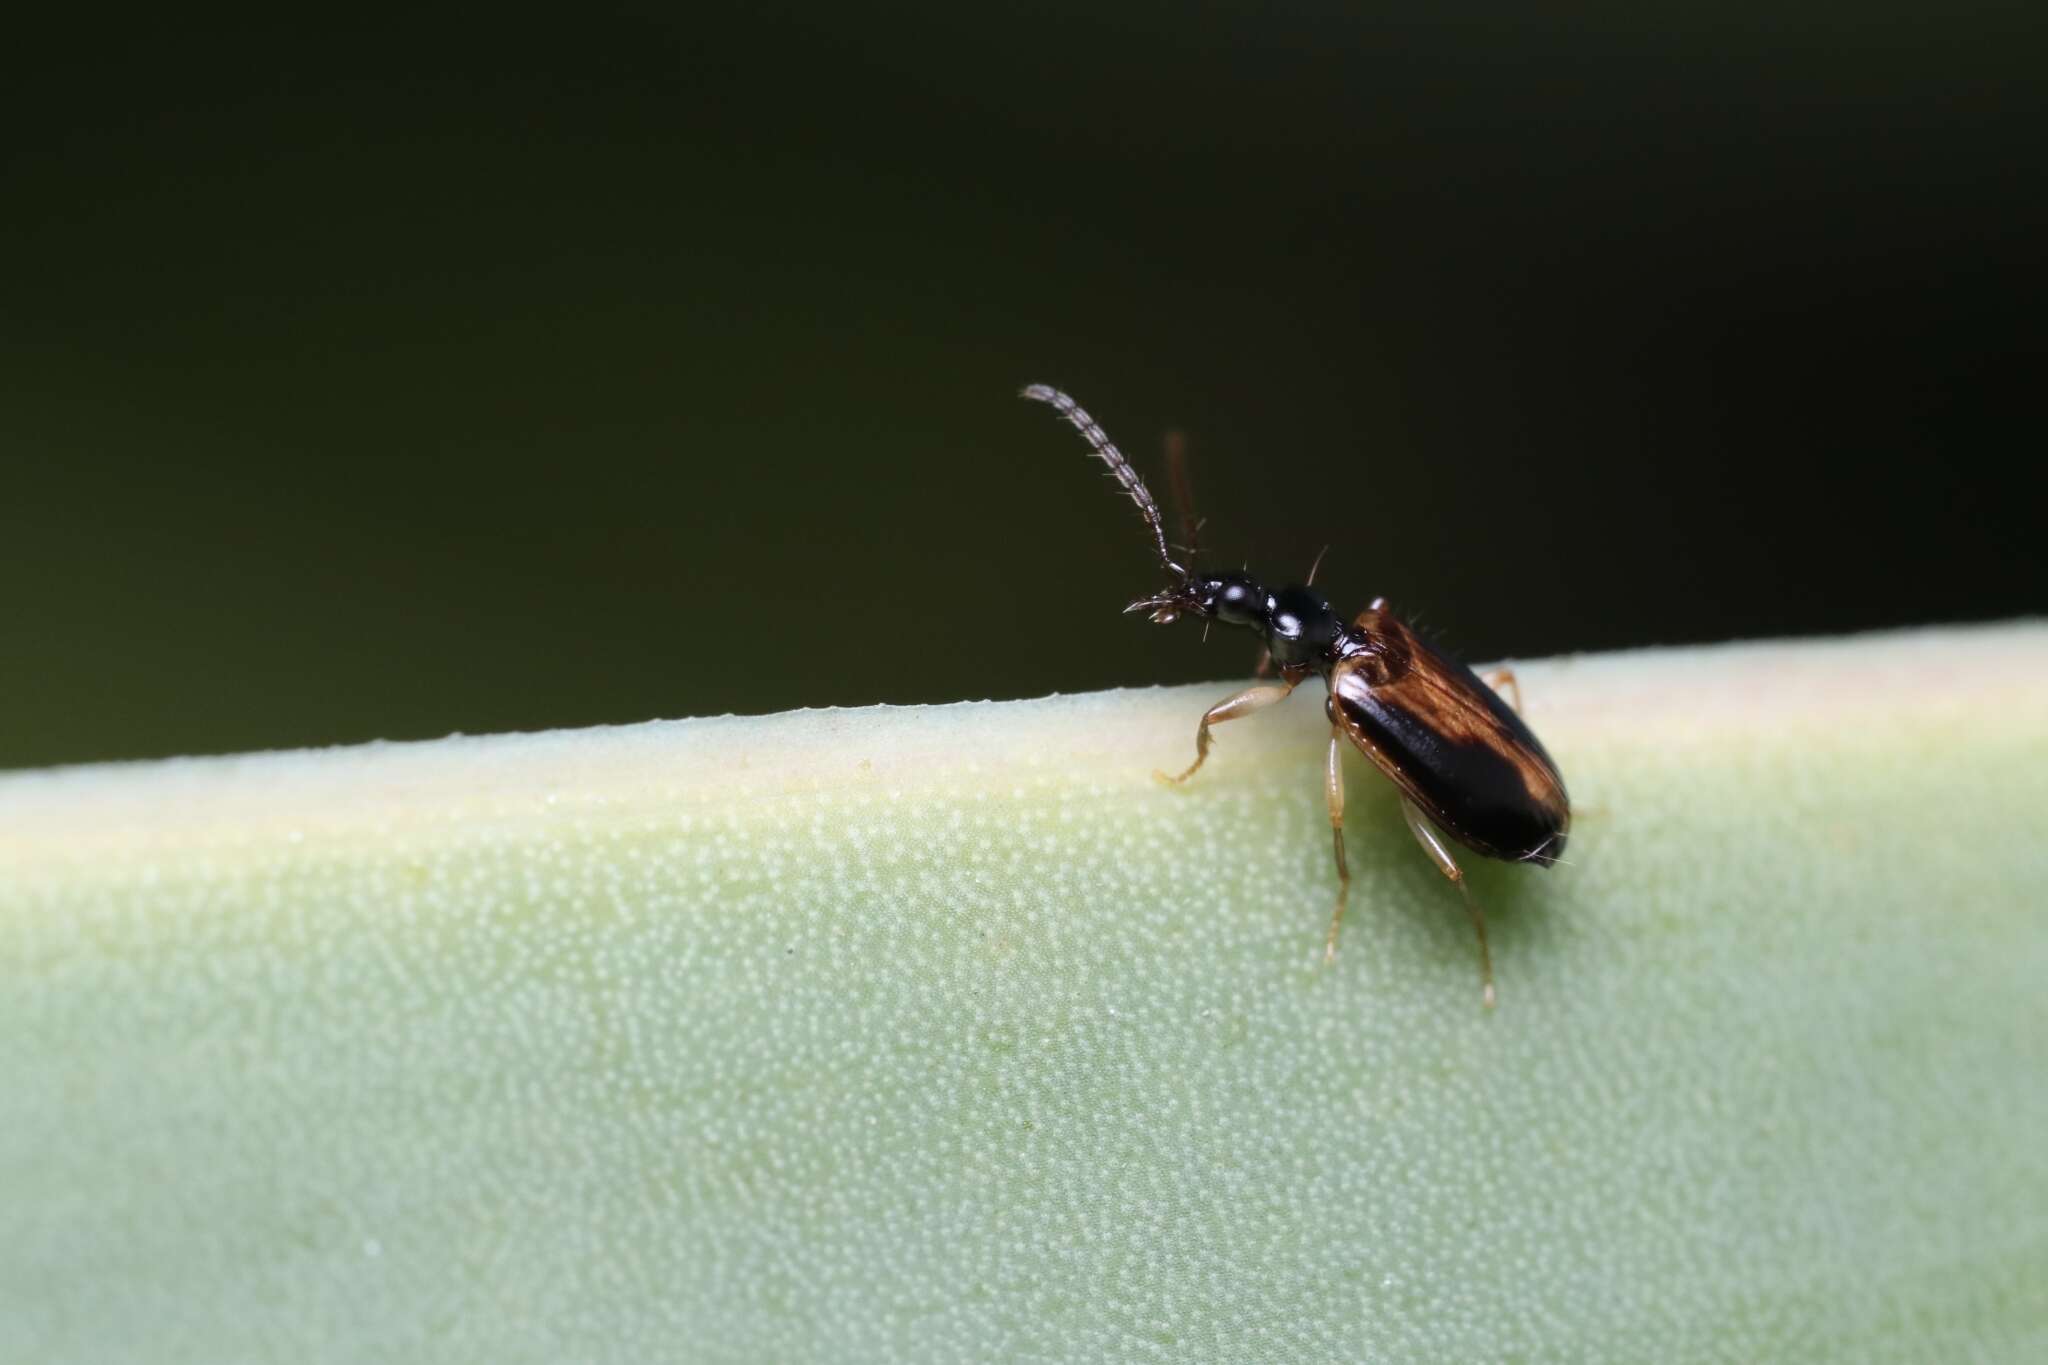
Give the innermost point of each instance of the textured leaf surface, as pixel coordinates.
(948, 1034)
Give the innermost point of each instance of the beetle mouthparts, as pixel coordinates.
(1164, 610)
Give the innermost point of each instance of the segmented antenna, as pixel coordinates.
(1106, 451)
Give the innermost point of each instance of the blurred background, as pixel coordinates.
(492, 373)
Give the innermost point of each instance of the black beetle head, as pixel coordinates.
(1232, 599)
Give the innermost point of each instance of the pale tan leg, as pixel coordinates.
(1334, 790)
(1439, 853)
(1497, 678)
(1243, 704)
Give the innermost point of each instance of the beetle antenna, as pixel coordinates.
(1317, 565)
(1106, 451)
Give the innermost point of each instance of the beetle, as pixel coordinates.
(1469, 769)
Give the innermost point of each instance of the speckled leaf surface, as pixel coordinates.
(948, 1034)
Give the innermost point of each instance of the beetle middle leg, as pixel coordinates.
(1243, 704)
(1333, 791)
(1440, 854)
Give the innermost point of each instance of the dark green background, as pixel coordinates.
(485, 372)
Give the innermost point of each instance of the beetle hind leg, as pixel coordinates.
(1440, 854)
(1503, 680)
(1230, 708)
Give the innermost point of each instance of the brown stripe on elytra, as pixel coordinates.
(1449, 742)
(1404, 672)
(1462, 726)
(1476, 792)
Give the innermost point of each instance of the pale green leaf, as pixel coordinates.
(948, 1034)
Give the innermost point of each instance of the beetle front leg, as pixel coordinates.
(1440, 854)
(1243, 704)
(1333, 792)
